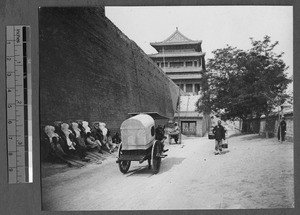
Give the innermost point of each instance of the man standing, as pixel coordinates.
(282, 130)
(219, 132)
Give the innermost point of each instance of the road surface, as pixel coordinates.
(252, 173)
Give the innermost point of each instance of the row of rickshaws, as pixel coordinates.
(139, 142)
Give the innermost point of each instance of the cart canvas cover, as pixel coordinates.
(137, 132)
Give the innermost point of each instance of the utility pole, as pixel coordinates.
(279, 128)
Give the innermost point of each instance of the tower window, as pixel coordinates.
(181, 86)
(176, 64)
(189, 88)
(197, 88)
(164, 64)
(189, 63)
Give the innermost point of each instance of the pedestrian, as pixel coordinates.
(219, 132)
(175, 133)
(282, 130)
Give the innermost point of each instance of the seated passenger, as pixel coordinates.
(89, 140)
(97, 133)
(69, 145)
(57, 126)
(82, 131)
(93, 143)
(79, 139)
(107, 140)
(112, 145)
(86, 127)
(56, 149)
(69, 140)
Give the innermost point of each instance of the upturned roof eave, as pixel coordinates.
(176, 43)
(196, 54)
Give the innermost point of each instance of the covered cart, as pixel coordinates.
(139, 143)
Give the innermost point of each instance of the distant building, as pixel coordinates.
(192, 123)
(182, 60)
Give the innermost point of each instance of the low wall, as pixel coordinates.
(268, 127)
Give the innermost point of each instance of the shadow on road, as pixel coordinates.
(224, 152)
(166, 165)
(252, 137)
(169, 163)
(140, 171)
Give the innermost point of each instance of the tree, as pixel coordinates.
(243, 84)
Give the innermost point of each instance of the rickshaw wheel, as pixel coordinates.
(123, 165)
(156, 161)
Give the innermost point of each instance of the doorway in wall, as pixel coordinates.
(188, 127)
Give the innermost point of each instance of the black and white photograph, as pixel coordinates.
(166, 107)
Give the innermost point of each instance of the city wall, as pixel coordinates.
(90, 70)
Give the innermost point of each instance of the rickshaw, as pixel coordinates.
(139, 143)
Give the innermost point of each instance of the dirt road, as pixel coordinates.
(252, 173)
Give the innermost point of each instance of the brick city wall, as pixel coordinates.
(89, 70)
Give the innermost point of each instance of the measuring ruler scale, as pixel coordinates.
(19, 104)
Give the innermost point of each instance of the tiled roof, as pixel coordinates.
(177, 54)
(187, 76)
(176, 38)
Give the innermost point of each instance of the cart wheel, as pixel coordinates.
(123, 165)
(156, 161)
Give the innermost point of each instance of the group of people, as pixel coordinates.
(219, 132)
(75, 139)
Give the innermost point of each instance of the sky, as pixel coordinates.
(216, 26)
